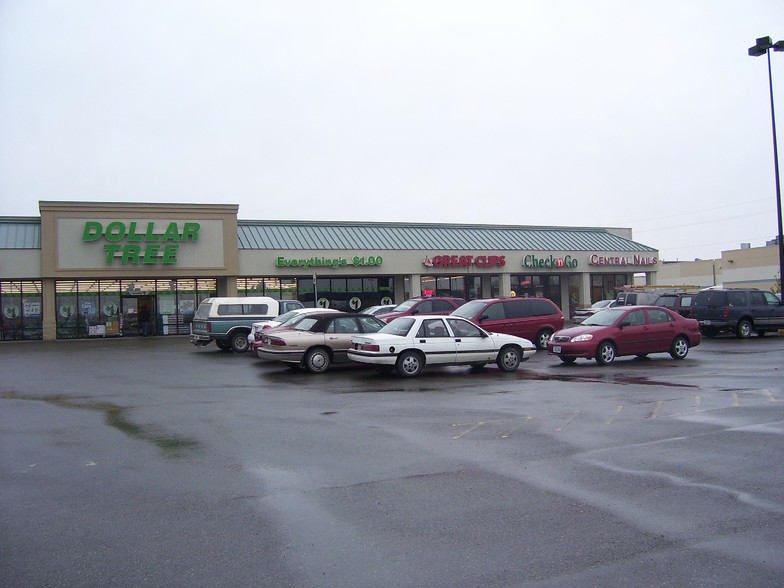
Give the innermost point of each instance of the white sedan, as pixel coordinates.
(409, 343)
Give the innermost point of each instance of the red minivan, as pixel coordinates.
(535, 319)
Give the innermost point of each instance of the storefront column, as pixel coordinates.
(416, 285)
(566, 302)
(505, 284)
(48, 294)
(650, 278)
(399, 285)
(585, 290)
(226, 286)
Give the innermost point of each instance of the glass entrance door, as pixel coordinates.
(129, 323)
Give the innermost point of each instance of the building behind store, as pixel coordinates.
(86, 269)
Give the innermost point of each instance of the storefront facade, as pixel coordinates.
(87, 269)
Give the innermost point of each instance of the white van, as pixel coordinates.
(228, 321)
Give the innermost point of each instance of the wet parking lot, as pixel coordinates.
(150, 462)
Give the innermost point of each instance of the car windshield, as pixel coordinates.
(282, 318)
(306, 323)
(469, 310)
(606, 317)
(400, 326)
(403, 306)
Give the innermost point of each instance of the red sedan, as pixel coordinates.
(626, 330)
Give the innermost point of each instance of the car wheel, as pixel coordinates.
(680, 347)
(568, 359)
(223, 345)
(543, 338)
(743, 330)
(239, 342)
(317, 360)
(410, 364)
(605, 354)
(508, 359)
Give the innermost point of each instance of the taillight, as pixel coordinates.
(209, 327)
(274, 341)
(370, 347)
(725, 313)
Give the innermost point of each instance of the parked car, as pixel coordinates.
(409, 343)
(535, 319)
(680, 303)
(317, 340)
(283, 320)
(738, 310)
(583, 313)
(432, 305)
(228, 321)
(377, 310)
(625, 330)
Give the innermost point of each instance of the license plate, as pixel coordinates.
(556, 349)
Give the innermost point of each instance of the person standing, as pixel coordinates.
(144, 320)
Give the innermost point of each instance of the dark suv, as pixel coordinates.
(431, 305)
(680, 303)
(737, 310)
(535, 319)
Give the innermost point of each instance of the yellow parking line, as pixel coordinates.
(569, 420)
(617, 412)
(476, 426)
(656, 410)
(527, 420)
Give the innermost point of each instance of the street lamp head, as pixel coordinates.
(762, 46)
(778, 46)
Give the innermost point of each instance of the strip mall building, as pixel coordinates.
(84, 269)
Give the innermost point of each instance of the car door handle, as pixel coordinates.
(458, 340)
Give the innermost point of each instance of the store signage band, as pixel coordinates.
(465, 261)
(330, 262)
(134, 243)
(550, 262)
(596, 259)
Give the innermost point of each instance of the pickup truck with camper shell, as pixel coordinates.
(228, 321)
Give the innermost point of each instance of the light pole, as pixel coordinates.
(763, 47)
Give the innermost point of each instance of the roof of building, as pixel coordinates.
(25, 233)
(313, 235)
(20, 233)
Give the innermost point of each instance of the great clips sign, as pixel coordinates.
(465, 261)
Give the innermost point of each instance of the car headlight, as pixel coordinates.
(581, 338)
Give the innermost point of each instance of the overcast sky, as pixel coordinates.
(642, 114)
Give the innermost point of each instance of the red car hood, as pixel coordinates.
(572, 332)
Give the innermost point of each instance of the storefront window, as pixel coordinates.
(537, 286)
(606, 286)
(467, 287)
(21, 310)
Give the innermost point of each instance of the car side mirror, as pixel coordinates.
(484, 317)
(624, 324)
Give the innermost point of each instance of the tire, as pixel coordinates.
(223, 345)
(317, 360)
(679, 348)
(410, 364)
(568, 360)
(509, 359)
(239, 342)
(605, 353)
(543, 338)
(743, 329)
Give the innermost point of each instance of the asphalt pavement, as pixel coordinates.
(150, 462)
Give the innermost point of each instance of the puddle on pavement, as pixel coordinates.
(115, 416)
(606, 379)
